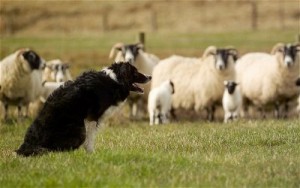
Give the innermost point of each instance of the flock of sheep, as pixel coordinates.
(219, 78)
(26, 80)
(261, 80)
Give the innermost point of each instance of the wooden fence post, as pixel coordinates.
(254, 14)
(141, 39)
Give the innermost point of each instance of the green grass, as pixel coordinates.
(240, 154)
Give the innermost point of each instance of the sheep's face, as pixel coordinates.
(127, 75)
(59, 72)
(33, 59)
(223, 57)
(289, 54)
(130, 52)
(230, 86)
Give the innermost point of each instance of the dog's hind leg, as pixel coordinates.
(91, 130)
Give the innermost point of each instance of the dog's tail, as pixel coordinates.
(27, 150)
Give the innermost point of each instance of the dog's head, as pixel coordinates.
(126, 74)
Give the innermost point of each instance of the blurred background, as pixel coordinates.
(42, 17)
(82, 32)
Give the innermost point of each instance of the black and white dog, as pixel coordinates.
(60, 126)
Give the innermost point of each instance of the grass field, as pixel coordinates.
(200, 154)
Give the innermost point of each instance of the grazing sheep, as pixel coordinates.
(160, 102)
(199, 82)
(268, 79)
(57, 71)
(144, 62)
(20, 79)
(232, 101)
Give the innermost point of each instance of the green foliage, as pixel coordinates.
(260, 153)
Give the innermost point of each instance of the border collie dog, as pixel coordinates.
(60, 124)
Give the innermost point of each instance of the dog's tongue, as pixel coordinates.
(136, 88)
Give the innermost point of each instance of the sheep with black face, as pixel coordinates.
(267, 80)
(20, 79)
(144, 62)
(198, 81)
(232, 101)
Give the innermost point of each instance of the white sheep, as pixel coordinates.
(57, 71)
(160, 102)
(198, 81)
(20, 79)
(144, 62)
(232, 101)
(268, 79)
(48, 88)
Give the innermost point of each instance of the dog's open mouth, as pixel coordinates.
(135, 88)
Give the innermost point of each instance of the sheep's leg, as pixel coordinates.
(226, 116)
(262, 112)
(134, 109)
(91, 132)
(173, 114)
(244, 109)
(26, 111)
(157, 119)
(160, 118)
(276, 112)
(5, 111)
(151, 117)
(235, 116)
(286, 110)
(165, 118)
(211, 113)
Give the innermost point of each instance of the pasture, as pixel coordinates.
(246, 153)
(254, 153)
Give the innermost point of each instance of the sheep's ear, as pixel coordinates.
(234, 53)
(140, 46)
(118, 46)
(225, 82)
(279, 47)
(211, 50)
(66, 66)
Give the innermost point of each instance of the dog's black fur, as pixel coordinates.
(60, 124)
